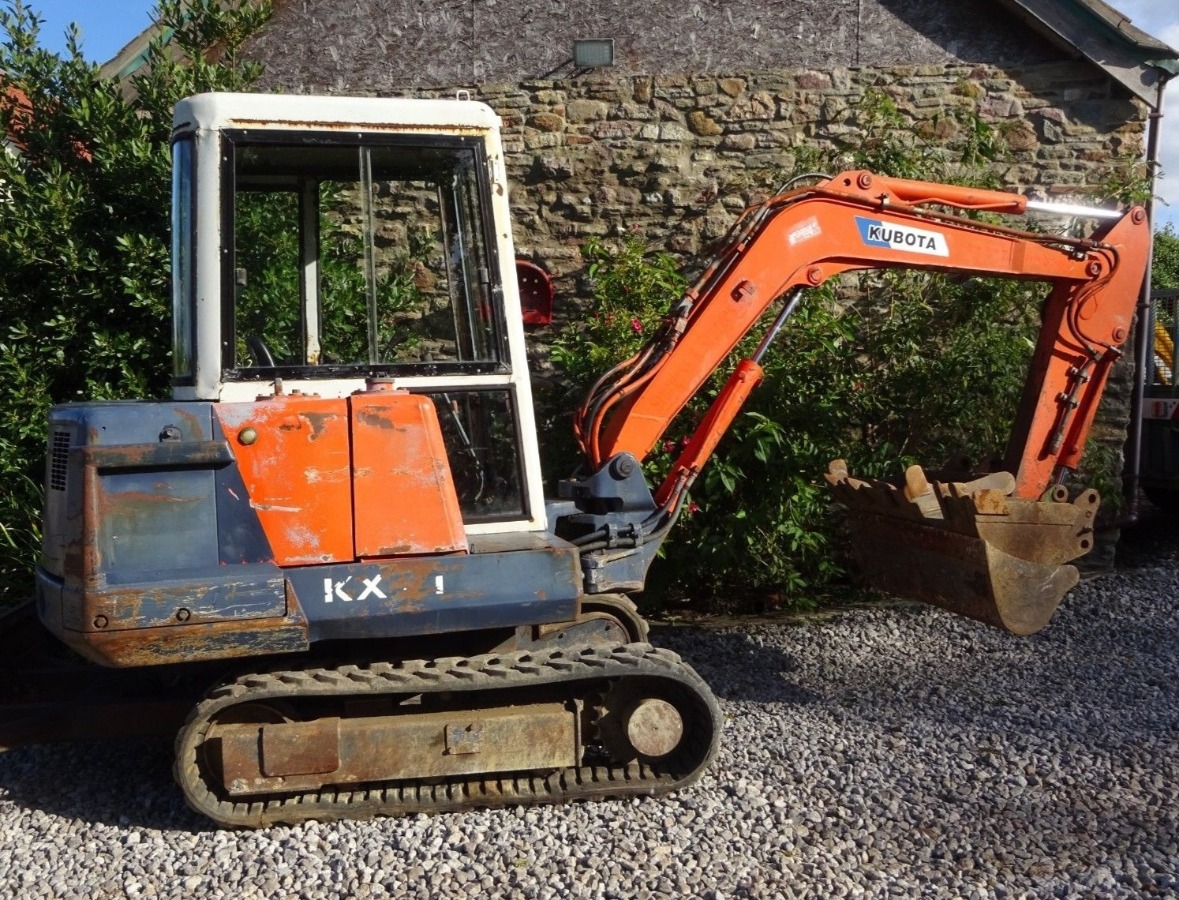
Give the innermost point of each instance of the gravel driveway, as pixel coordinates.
(883, 753)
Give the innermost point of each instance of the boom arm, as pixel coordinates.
(856, 221)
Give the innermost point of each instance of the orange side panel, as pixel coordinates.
(294, 458)
(405, 500)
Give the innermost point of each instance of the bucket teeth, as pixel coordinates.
(921, 494)
(967, 545)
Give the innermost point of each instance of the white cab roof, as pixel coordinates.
(215, 111)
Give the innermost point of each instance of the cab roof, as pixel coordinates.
(222, 110)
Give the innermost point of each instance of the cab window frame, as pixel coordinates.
(234, 139)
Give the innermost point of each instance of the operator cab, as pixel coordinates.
(322, 245)
(349, 451)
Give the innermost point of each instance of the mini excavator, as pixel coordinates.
(327, 565)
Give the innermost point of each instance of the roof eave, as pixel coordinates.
(1096, 31)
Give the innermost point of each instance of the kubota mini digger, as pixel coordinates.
(338, 522)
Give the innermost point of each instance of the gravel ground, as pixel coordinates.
(882, 753)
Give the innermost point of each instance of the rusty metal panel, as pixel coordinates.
(962, 574)
(973, 548)
(397, 747)
(293, 452)
(405, 501)
(232, 639)
(301, 748)
(127, 483)
(242, 592)
(153, 521)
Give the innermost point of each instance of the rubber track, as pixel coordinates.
(494, 671)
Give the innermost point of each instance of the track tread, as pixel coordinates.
(495, 671)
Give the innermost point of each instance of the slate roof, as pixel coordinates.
(1088, 29)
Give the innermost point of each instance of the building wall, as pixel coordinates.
(710, 101)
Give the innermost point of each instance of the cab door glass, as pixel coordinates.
(479, 430)
(361, 256)
(268, 328)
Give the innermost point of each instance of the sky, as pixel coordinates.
(107, 25)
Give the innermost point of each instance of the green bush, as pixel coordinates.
(1165, 269)
(84, 231)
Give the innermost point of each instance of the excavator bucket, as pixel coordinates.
(969, 547)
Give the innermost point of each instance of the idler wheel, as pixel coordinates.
(654, 727)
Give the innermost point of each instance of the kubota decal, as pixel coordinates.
(876, 233)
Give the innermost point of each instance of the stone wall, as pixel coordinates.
(644, 147)
(675, 157)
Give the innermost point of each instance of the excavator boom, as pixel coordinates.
(936, 542)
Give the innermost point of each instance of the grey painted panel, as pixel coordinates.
(114, 422)
(156, 521)
(433, 595)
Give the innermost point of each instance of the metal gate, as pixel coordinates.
(1159, 473)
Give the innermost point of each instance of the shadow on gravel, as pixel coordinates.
(116, 783)
(129, 783)
(736, 665)
(1152, 540)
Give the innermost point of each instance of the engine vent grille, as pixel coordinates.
(59, 455)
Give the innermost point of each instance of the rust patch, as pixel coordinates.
(191, 643)
(196, 424)
(213, 601)
(263, 757)
(318, 422)
(275, 507)
(376, 417)
(301, 748)
(353, 127)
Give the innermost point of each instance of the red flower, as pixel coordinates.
(693, 508)
(636, 326)
(669, 446)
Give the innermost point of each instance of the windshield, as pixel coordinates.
(359, 257)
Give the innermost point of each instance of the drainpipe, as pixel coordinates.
(1142, 342)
